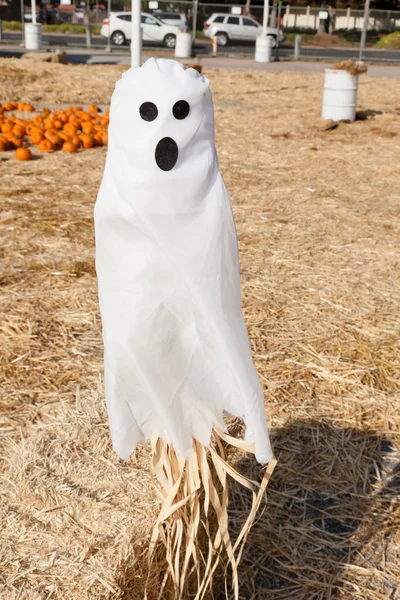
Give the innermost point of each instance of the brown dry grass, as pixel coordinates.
(318, 224)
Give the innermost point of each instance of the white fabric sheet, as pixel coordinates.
(176, 348)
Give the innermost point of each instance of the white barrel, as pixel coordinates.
(33, 36)
(340, 96)
(183, 46)
(263, 48)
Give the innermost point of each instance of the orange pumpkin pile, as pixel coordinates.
(68, 129)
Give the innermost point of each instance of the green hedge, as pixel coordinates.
(390, 41)
(64, 28)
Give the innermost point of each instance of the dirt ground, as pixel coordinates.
(317, 214)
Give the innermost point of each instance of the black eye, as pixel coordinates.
(181, 109)
(148, 111)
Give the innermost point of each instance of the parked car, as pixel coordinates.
(233, 27)
(79, 14)
(28, 16)
(153, 30)
(171, 18)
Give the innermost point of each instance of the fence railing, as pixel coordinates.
(292, 16)
(307, 17)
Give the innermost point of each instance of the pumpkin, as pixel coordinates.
(87, 127)
(19, 131)
(73, 119)
(76, 140)
(84, 116)
(23, 154)
(38, 121)
(48, 124)
(15, 142)
(54, 138)
(10, 106)
(6, 128)
(87, 140)
(69, 147)
(46, 146)
(70, 129)
(98, 139)
(37, 137)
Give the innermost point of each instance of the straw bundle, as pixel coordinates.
(193, 522)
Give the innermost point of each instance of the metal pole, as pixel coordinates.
(136, 36)
(277, 37)
(23, 22)
(88, 28)
(195, 9)
(33, 5)
(265, 17)
(297, 45)
(108, 49)
(364, 30)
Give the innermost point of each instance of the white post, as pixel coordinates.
(194, 19)
(23, 22)
(264, 41)
(364, 30)
(307, 15)
(33, 5)
(348, 18)
(136, 36)
(287, 12)
(265, 17)
(108, 49)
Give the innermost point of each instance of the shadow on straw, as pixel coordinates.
(328, 517)
(321, 535)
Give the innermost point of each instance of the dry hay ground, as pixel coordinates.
(318, 223)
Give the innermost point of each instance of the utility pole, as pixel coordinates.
(23, 22)
(136, 36)
(194, 19)
(364, 30)
(265, 17)
(108, 49)
(33, 5)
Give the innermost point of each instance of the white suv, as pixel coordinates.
(119, 28)
(232, 27)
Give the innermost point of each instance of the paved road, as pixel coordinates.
(204, 48)
(98, 56)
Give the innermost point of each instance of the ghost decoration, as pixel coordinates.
(176, 349)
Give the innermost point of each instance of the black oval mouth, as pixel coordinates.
(166, 154)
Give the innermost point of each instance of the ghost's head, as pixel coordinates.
(162, 126)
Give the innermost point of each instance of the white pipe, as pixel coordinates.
(136, 39)
(364, 30)
(265, 16)
(23, 22)
(109, 26)
(33, 5)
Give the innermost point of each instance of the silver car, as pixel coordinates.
(119, 27)
(171, 18)
(237, 27)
